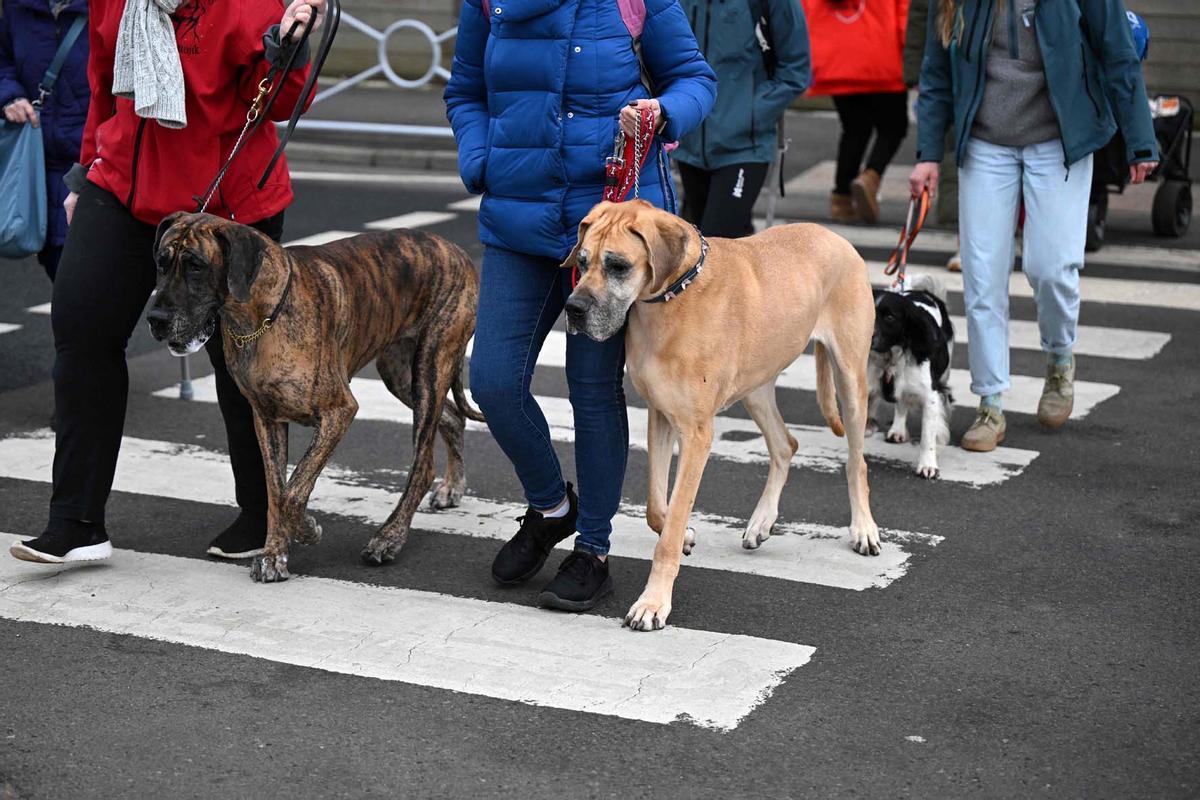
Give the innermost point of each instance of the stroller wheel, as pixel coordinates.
(1172, 208)
(1097, 214)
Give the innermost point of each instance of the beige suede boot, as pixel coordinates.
(986, 432)
(840, 208)
(1058, 395)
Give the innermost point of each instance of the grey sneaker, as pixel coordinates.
(1058, 395)
(986, 432)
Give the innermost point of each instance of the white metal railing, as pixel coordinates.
(384, 67)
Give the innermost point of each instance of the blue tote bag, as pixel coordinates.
(22, 190)
(23, 208)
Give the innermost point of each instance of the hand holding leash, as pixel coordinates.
(300, 12)
(631, 113)
(924, 178)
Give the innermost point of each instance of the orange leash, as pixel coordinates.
(918, 210)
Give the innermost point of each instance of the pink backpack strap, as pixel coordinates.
(633, 14)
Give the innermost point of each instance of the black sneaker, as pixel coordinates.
(581, 582)
(65, 545)
(524, 554)
(245, 538)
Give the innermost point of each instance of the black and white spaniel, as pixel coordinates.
(910, 364)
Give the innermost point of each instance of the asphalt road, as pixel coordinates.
(1036, 634)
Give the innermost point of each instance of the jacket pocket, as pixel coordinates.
(1087, 80)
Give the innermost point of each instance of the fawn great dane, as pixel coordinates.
(712, 323)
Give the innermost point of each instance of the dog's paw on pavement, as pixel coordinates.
(446, 495)
(647, 614)
(269, 569)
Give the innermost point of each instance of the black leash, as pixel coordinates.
(333, 17)
(268, 92)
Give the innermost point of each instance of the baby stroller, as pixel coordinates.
(1172, 210)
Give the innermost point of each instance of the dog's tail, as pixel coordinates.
(460, 399)
(925, 282)
(826, 392)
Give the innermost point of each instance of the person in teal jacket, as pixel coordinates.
(724, 162)
(1032, 88)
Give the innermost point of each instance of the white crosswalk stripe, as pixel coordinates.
(471, 203)
(737, 440)
(1151, 294)
(1093, 340)
(318, 239)
(499, 650)
(8, 327)
(802, 374)
(798, 552)
(413, 219)
(43, 308)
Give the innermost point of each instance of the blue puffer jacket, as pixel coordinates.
(29, 37)
(533, 98)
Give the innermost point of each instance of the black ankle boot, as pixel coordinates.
(244, 538)
(524, 554)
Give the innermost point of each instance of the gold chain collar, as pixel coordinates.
(241, 340)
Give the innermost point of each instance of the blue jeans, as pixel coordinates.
(992, 181)
(520, 298)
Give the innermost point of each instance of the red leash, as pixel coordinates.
(622, 170)
(918, 209)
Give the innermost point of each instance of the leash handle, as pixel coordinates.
(914, 220)
(623, 169)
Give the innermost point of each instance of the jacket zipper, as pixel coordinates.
(133, 172)
(985, 42)
(704, 124)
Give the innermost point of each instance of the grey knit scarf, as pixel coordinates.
(147, 69)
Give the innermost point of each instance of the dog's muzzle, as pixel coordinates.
(577, 308)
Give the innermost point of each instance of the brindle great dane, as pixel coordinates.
(298, 322)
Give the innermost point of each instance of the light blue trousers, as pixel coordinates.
(992, 181)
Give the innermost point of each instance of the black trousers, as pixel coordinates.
(885, 115)
(103, 281)
(720, 202)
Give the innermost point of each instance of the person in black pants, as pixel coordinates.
(883, 114)
(104, 280)
(156, 162)
(723, 164)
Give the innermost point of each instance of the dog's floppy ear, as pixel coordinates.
(572, 257)
(243, 250)
(163, 227)
(666, 239)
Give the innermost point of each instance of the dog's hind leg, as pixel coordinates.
(395, 368)
(782, 446)
(432, 377)
(850, 374)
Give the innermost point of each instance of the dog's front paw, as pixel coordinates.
(270, 569)
(689, 541)
(928, 469)
(865, 539)
(872, 427)
(896, 436)
(649, 613)
(446, 495)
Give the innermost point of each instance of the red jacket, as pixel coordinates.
(857, 45)
(155, 170)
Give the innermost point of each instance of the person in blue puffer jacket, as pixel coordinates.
(42, 24)
(535, 94)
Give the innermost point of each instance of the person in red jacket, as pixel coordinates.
(151, 148)
(858, 57)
